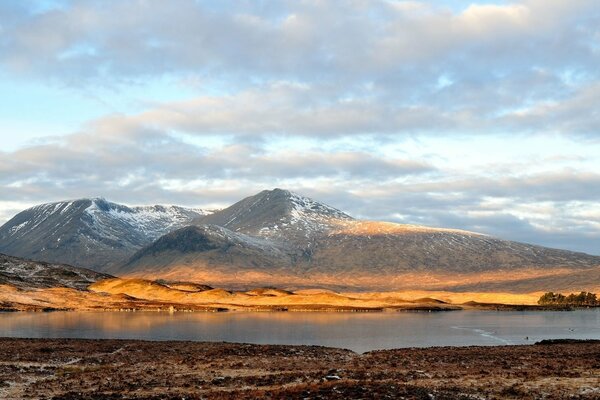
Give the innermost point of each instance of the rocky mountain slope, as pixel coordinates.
(283, 239)
(92, 233)
(26, 274)
(215, 246)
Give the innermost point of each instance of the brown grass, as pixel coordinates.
(119, 293)
(111, 369)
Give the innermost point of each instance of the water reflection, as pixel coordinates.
(356, 331)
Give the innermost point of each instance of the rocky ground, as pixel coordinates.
(115, 369)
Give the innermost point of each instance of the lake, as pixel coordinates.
(356, 331)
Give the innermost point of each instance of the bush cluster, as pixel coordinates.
(581, 299)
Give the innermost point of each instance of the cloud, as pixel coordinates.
(283, 108)
(281, 38)
(575, 115)
(287, 109)
(314, 68)
(322, 98)
(117, 163)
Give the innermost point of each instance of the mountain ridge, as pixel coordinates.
(278, 237)
(89, 232)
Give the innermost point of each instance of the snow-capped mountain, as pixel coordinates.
(272, 229)
(280, 238)
(279, 215)
(92, 233)
(277, 237)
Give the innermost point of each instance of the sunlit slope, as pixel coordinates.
(267, 297)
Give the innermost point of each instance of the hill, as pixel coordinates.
(26, 274)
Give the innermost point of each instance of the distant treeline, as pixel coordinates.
(581, 299)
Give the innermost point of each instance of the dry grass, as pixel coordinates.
(148, 290)
(454, 298)
(118, 293)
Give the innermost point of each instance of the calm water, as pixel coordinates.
(356, 331)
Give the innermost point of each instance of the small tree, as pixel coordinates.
(591, 299)
(581, 299)
(551, 298)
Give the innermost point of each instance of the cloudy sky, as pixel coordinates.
(476, 115)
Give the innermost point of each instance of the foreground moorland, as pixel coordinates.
(116, 369)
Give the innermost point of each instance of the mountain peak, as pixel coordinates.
(278, 212)
(278, 191)
(101, 204)
(297, 203)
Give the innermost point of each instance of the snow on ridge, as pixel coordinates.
(109, 220)
(31, 274)
(311, 216)
(66, 207)
(22, 269)
(151, 221)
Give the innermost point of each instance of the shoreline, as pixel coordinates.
(182, 308)
(141, 369)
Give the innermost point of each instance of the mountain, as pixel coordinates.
(26, 274)
(92, 233)
(272, 229)
(280, 238)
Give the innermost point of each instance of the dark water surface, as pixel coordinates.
(356, 331)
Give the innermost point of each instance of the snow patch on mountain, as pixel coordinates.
(150, 221)
(305, 207)
(305, 217)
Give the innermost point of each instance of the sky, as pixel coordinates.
(482, 116)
